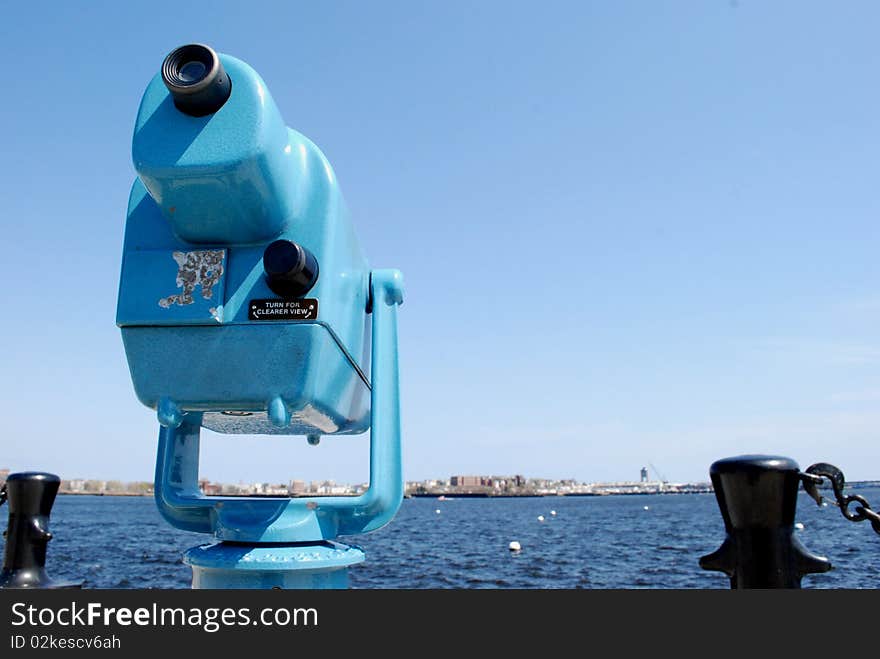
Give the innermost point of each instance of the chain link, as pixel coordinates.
(873, 517)
(3, 494)
(813, 477)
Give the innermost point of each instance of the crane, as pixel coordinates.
(657, 472)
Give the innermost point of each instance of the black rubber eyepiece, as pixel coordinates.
(196, 79)
(291, 269)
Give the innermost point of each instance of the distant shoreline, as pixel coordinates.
(104, 494)
(855, 485)
(488, 495)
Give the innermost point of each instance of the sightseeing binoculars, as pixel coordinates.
(247, 306)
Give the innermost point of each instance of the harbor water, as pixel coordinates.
(607, 542)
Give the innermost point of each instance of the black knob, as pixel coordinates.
(291, 269)
(196, 79)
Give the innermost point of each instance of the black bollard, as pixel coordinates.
(757, 495)
(30, 496)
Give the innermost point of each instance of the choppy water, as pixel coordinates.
(591, 542)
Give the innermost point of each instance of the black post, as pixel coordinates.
(30, 497)
(757, 495)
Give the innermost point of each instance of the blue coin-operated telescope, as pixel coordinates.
(246, 306)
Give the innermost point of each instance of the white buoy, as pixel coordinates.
(514, 546)
(553, 512)
(437, 511)
(799, 526)
(540, 518)
(646, 508)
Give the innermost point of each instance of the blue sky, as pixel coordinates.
(631, 232)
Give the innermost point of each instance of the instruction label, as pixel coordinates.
(281, 309)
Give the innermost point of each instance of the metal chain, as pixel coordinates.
(812, 478)
(3, 494)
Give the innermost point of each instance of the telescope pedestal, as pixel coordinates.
(299, 565)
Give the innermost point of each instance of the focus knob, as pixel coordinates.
(291, 269)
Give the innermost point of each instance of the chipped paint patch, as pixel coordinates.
(202, 268)
(312, 417)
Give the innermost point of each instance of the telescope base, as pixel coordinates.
(298, 565)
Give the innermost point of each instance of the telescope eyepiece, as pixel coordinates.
(196, 80)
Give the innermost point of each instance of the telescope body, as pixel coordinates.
(246, 306)
(205, 335)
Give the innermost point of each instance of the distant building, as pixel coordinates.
(268, 489)
(296, 487)
(644, 475)
(3, 475)
(332, 489)
(74, 485)
(232, 490)
(210, 489)
(466, 481)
